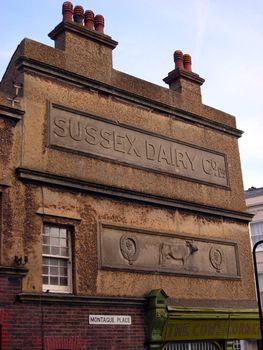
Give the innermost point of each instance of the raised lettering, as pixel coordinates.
(92, 135)
(180, 161)
(75, 129)
(221, 173)
(191, 160)
(172, 155)
(119, 142)
(163, 155)
(106, 141)
(206, 166)
(132, 146)
(100, 137)
(150, 150)
(60, 129)
(214, 167)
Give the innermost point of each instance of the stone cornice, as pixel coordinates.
(83, 31)
(11, 113)
(182, 73)
(33, 175)
(79, 299)
(13, 271)
(31, 65)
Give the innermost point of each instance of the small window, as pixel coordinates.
(56, 255)
(236, 345)
(256, 229)
(260, 281)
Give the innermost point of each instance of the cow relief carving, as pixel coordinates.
(142, 250)
(177, 252)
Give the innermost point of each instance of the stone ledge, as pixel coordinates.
(28, 64)
(33, 175)
(11, 113)
(13, 271)
(182, 73)
(83, 31)
(77, 299)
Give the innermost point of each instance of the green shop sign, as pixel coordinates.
(171, 323)
(182, 330)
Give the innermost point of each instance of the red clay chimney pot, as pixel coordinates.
(187, 62)
(67, 11)
(89, 19)
(178, 59)
(78, 14)
(99, 23)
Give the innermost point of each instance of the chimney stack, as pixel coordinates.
(182, 79)
(88, 51)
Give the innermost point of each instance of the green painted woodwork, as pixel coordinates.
(171, 323)
(157, 314)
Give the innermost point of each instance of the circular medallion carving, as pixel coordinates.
(216, 257)
(129, 248)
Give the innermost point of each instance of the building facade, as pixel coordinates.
(123, 219)
(254, 202)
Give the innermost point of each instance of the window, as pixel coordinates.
(191, 346)
(236, 345)
(260, 281)
(56, 267)
(256, 229)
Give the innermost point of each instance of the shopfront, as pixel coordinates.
(196, 328)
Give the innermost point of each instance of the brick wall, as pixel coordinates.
(38, 325)
(9, 287)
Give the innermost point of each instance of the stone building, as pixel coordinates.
(123, 219)
(254, 202)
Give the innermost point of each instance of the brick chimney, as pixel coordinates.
(81, 35)
(182, 79)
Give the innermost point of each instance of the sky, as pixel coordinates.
(224, 38)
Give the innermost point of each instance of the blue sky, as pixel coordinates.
(224, 38)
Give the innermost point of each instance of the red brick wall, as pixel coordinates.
(64, 326)
(9, 287)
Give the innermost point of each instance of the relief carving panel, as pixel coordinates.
(127, 248)
(98, 137)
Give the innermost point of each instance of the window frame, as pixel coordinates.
(254, 236)
(260, 281)
(69, 236)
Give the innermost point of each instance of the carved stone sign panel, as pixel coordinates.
(110, 140)
(127, 248)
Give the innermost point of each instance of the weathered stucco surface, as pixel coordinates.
(38, 156)
(27, 205)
